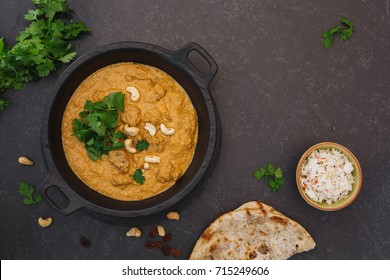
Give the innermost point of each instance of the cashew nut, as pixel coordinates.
(25, 161)
(152, 159)
(151, 128)
(134, 93)
(134, 231)
(161, 231)
(166, 131)
(131, 130)
(45, 222)
(173, 216)
(146, 166)
(128, 146)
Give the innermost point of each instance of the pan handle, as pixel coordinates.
(181, 56)
(53, 180)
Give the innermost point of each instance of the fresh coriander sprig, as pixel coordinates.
(271, 175)
(142, 145)
(97, 124)
(345, 31)
(40, 48)
(138, 176)
(31, 196)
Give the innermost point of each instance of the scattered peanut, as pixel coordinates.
(152, 159)
(135, 96)
(128, 146)
(131, 130)
(151, 128)
(25, 161)
(161, 230)
(134, 231)
(166, 131)
(173, 216)
(45, 222)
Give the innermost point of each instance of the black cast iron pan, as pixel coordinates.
(176, 64)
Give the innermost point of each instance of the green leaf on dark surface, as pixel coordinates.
(67, 57)
(346, 34)
(278, 173)
(347, 22)
(345, 31)
(273, 176)
(31, 196)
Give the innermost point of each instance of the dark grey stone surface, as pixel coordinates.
(278, 92)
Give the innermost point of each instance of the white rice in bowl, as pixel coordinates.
(326, 176)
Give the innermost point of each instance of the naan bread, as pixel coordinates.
(257, 205)
(252, 234)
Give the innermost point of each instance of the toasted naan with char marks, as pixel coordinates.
(257, 205)
(252, 234)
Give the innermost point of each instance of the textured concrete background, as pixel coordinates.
(278, 92)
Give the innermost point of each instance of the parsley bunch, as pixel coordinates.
(97, 125)
(345, 31)
(273, 176)
(40, 48)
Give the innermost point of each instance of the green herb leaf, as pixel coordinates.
(273, 176)
(278, 173)
(142, 145)
(41, 47)
(345, 32)
(68, 57)
(270, 168)
(97, 124)
(347, 22)
(258, 174)
(138, 176)
(33, 14)
(31, 196)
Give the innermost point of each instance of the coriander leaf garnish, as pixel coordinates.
(345, 32)
(97, 124)
(31, 196)
(138, 176)
(142, 145)
(273, 176)
(41, 47)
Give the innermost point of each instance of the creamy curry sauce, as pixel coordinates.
(162, 101)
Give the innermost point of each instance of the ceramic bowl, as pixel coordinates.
(356, 173)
